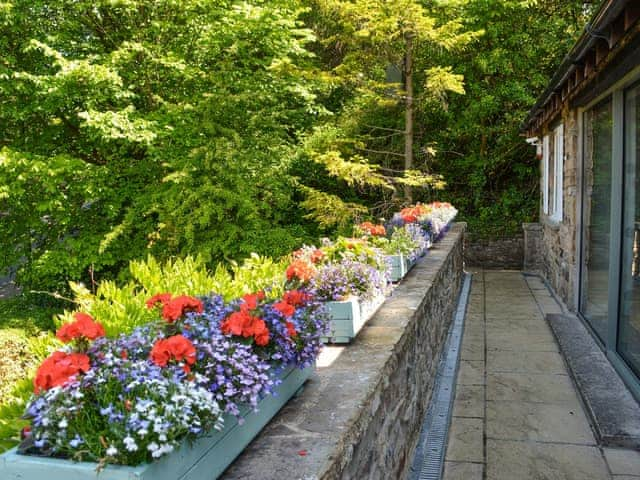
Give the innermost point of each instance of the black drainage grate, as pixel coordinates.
(429, 459)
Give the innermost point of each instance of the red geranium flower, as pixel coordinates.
(296, 298)
(291, 329)
(244, 324)
(83, 327)
(177, 307)
(234, 324)
(317, 255)
(58, 369)
(301, 270)
(286, 309)
(261, 333)
(159, 298)
(251, 301)
(176, 348)
(371, 229)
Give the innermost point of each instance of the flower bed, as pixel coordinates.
(206, 457)
(197, 367)
(203, 369)
(352, 278)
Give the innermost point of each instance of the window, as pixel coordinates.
(553, 164)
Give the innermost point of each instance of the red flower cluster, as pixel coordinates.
(176, 348)
(316, 256)
(251, 301)
(300, 269)
(175, 308)
(244, 324)
(296, 298)
(285, 308)
(291, 329)
(371, 229)
(58, 369)
(159, 298)
(411, 214)
(83, 327)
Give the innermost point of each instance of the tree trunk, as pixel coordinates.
(408, 135)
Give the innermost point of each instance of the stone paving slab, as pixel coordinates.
(469, 401)
(471, 372)
(503, 361)
(465, 440)
(543, 422)
(623, 461)
(525, 420)
(509, 460)
(463, 471)
(527, 387)
(522, 343)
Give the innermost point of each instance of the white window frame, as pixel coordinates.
(558, 153)
(545, 174)
(553, 210)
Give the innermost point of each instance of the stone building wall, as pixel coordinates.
(359, 416)
(558, 256)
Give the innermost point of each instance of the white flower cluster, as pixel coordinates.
(441, 215)
(152, 419)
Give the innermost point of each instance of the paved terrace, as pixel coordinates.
(517, 414)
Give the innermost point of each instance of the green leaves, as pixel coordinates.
(143, 126)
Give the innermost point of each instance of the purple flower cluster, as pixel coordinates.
(420, 239)
(127, 409)
(347, 278)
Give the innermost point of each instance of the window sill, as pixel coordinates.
(551, 223)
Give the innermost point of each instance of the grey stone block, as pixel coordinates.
(614, 412)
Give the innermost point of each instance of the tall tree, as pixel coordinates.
(491, 173)
(370, 142)
(160, 126)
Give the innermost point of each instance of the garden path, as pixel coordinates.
(517, 415)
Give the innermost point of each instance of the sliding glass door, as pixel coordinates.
(596, 219)
(628, 341)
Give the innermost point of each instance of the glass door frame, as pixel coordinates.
(609, 343)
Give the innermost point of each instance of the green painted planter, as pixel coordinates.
(206, 458)
(348, 317)
(400, 266)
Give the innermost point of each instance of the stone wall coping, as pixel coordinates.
(532, 226)
(314, 436)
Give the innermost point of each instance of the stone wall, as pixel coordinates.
(359, 416)
(559, 254)
(507, 252)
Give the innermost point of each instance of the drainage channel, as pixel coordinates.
(428, 462)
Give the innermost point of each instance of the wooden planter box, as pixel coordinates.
(398, 267)
(206, 458)
(348, 317)
(401, 265)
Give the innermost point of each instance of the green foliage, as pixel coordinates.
(400, 241)
(121, 308)
(22, 352)
(355, 249)
(491, 174)
(362, 145)
(31, 313)
(149, 126)
(11, 421)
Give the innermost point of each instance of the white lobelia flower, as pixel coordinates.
(130, 444)
(112, 451)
